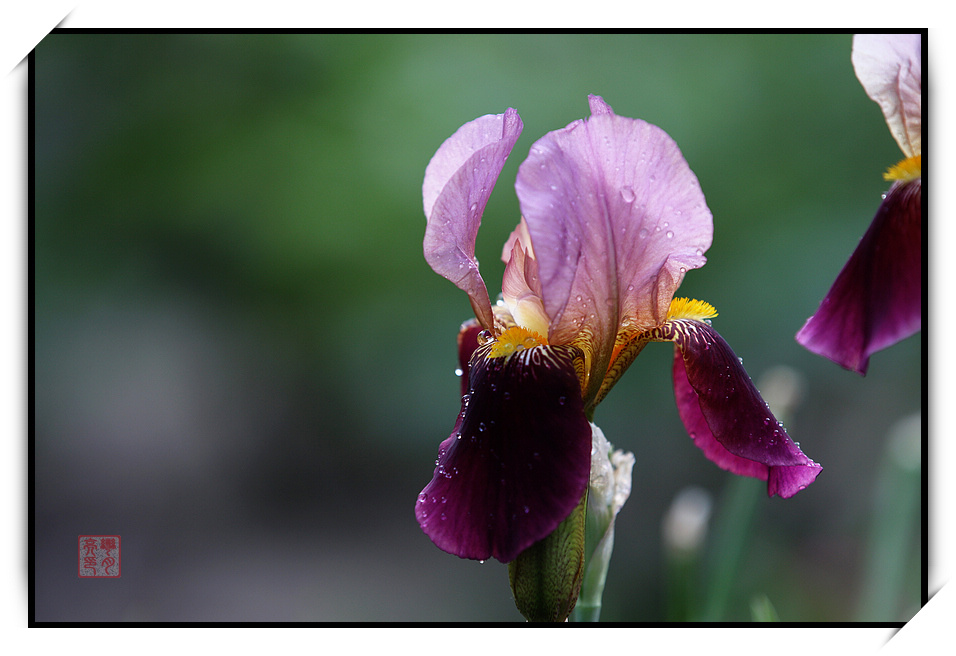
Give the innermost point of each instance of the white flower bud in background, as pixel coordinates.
(783, 388)
(905, 446)
(685, 523)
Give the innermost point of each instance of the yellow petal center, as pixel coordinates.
(688, 308)
(514, 339)
(909, 169)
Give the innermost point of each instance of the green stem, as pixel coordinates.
(733, 523)
(896, 514)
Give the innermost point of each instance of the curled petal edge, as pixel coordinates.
(458, 182)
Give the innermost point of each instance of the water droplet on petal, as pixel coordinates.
(627, 194)
(484, 337)
(669, 234)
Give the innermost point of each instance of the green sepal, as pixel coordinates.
(546, 577)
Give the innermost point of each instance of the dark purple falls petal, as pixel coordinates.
(877, 300)
(467, 343)
(728, 419)
(518, 460)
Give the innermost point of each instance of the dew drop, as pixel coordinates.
(669, 234)
(627, 194)
(481, 427)
(484, 337)
(526, 510)
(474, 208)
(459, 372)
(561, 400)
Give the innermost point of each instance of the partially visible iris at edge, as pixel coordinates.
(612, 218)
(877, 298)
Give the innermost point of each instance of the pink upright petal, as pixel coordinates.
(890, 68)
(520, 286)
(877, 300)
(616, 218)
(727, 418)
(458, 183)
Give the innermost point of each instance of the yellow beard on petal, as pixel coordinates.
(515, 339)
(909, 169)
(688, 308)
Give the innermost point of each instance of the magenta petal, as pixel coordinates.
(458, 182)
(518, 460)
(727, 418)
(877, 299)
(616, 218)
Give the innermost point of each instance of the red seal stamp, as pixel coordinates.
(99, 556)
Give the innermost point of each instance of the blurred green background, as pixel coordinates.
(244, 366)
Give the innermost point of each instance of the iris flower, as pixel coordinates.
(877, 299)
(612, 219)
